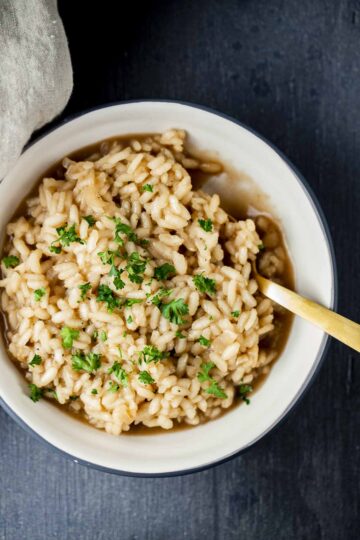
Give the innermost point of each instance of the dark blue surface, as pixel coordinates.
(291, 71)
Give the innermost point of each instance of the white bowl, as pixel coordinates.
(309, 242)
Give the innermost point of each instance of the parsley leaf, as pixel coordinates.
(11, 261)
(94, 391)
(215, 390)
(113, 387)
(151, 354)
(162, 272)
(116, 274)
(86, 362)
(235, 313)
(66, 237)
(84, 290)
(261, 246)
(103, 336)
(136, 267)
(156, 300)
(206, 224)
(119, 373)
(68, 335)
(90, 219)
(36, 361)
(179, 335)
(106, 295)
(129, 320)
(204, 284)
(173, 311)
(39, 293)
(204, 374)
(36, 393)
(244, 390)
(147, 187)
(131, 301)
(204, 342)
(108, 257)
(145, 377)
(123, 228)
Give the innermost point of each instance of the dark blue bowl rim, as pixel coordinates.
(324, 344)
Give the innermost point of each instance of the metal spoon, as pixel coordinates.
(333, 324)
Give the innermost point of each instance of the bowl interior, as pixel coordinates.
(310, 251)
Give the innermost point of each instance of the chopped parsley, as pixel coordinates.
(235, 313)
(136, 267)
(74, 398)
(151, 354)
(124, 334)
(11, 261)
(108, 257)
(244, 390)
(95, 335)
(39, 293)
(123, 228)
(147, 187)
(65, 238)
(103, 336)
(131, 301)
(145, 377)
(215, 390)
(204, 342)
(113, 387)
(84, 290)
(129, 320)
(90, 219)
(36, 393)
(36, 361)
(174, 310)
(164, 271)
(204, 284)
(179, 335)
(204, 375)
(68, 335)
(156, 300)
(261, 246)
(116, 274)
(106, 295)
(94, 391)
(206, 224)
(86, 362)
(119, 372)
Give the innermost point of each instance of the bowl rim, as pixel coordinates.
(324, 346)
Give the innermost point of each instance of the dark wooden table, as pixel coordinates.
(291, 70)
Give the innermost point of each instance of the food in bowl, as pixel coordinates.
(128, 294)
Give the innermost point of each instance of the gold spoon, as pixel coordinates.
(333, 324)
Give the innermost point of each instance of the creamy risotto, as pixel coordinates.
(128, 295)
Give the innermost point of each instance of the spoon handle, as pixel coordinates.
(336, 325)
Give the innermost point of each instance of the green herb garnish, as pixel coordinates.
(36, 393)
(204, 342)
(145, 377)
(162, 272)
(151, 354)
(119, 372)
(179, 335)
(90, 219)
(216, 391)
(74, 398)
(129, 320)
(147, 187)
(106, 295)
(206, 224)
(116, 274)
(84, 290)
(174, 310)
(11, 261)
(66, 237)
(94, 391)
(235, 313)
(204, 375)
(103, 336)
(36, 361)
(204, 284)
(39, 293)
(123, 228)
(261, 246)
(131, 301)
(108, 257)
(113, 387)
(156, 300)
(136, 267)
(68, 335)
(86, 362)
(244, 390)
